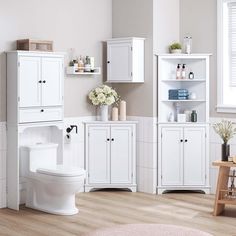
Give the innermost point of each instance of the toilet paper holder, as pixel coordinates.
(69, 129)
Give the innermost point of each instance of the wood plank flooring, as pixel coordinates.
(107, 208)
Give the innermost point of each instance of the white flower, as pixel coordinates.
(103, 95)
(95, 102)
(101, 98)
(114, 93)
(98, 90)
(107, 89)
(110, 100)
(91, 95)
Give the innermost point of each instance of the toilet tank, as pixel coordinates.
(40, 155)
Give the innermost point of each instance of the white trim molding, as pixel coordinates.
(219, 54)
(222, 63)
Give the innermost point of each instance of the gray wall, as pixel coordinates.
(158, 22)
(199, 19)
(79, 24)
(134, 18)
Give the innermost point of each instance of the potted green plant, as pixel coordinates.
(226, 130)
(175, 48)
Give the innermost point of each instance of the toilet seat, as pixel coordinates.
(62, 171)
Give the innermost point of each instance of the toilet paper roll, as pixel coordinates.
(71, 138)
(122, 110)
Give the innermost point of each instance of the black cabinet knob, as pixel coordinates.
(181, 140)
(44, 81)
(186, 140)
(42, 110)
(108, 139)
(40, 81)
(112, 139)
(108, 62)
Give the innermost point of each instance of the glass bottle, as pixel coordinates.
(194, 116)
(87, 65)
(188, 45)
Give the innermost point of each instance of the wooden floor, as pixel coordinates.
(108, 208)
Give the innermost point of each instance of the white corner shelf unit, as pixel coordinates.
(35, 111)
(70, 70)
(183, 152)
(125, 60)
(110, 156)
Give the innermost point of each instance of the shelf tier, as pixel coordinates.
(226, 201)
(187, 100)
(184, 80)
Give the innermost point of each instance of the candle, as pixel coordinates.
(122, 110)
(114, 114)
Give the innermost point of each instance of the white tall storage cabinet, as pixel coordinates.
(110, 155)
(125, 60)
(183, 149)
(34, 107)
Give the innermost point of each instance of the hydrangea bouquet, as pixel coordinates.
(103, 95)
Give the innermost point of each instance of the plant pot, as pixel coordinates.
(225, 152)
(176, 51)
(104, 112)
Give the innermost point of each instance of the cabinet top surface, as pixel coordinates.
(183, 123)
(183, 55)
(110, 122)
(24, 52)
(125, 39)
(224, 163)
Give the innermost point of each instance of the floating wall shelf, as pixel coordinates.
(71, 71)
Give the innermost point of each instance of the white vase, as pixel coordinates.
(104, 112)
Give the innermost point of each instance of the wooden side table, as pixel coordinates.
(222, 186)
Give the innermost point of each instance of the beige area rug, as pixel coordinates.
(147, 230)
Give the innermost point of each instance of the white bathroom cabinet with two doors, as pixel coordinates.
(183, 162)
(34, 110)
(110, 155)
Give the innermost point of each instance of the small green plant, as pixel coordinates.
(174, 46)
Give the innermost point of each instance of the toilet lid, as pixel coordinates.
(62, 171)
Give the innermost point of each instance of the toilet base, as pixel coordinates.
(55, 212)
(52, 197)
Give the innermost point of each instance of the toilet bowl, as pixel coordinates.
(50, 187)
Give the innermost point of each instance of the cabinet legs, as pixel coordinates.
(222, 184)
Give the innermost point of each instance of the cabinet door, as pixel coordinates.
(98, 155)
(52, 81)
(119, 64)
(172, 156)
(121, 154)
(29, 81)
(194, 156)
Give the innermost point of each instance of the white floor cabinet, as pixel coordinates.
(183, 157)
(183, 146)
(34, 110)
(110, 155)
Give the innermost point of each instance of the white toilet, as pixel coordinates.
(50, 187)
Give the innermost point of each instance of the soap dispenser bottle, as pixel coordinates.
(178, 72)
(183, 72)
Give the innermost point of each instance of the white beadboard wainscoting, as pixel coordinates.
(3, 147)
(146, 151)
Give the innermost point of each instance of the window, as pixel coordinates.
(226, 52)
